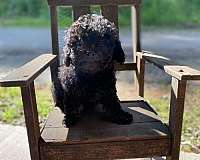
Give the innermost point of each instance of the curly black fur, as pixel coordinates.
(87, 80)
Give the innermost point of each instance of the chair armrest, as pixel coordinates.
(179, 72)
(28, 72)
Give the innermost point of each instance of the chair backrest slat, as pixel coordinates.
(111, 13)
(92, 2)
(136, 30)
(80, 10)
(54, 30)
(55, 42)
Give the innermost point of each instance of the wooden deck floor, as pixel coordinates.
(14, 145)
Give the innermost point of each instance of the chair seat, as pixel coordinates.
(91, 137)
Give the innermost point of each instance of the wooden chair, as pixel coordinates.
(147, 136)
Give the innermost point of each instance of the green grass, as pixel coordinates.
(11, 108)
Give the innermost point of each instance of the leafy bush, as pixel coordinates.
(154, 12)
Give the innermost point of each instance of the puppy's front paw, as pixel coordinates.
(121, 117)
(70, 119)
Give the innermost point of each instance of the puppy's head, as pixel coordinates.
(92, 44)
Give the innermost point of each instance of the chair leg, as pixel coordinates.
(31, 118)
(140, 76)
(178, 89)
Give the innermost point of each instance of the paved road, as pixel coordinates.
(18, 45)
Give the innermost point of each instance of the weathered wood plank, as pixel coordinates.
(182, 72)
(54, 30)
(136, 39)
(79, 11)
(178, 89)
(92, 2)
(146, 125)
(110, 12)
(135, 132)
(140, 76)
(14, 145)
(125, 66)
(106, 150)
(141, 111)
(28, 72)
(159, 61)
(31, 119)
(55, 42)
(178, 71)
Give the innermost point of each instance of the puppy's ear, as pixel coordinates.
(67, 61)
(118, 53)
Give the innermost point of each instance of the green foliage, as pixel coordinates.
(161, 106)
(14, 8)
(25, 21)
(64, 16)
(170, 12)
(11, 108)
(154, 12)
(124, 16)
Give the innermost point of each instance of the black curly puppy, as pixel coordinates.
(87, 80)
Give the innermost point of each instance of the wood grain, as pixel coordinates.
(92, 2)
(159, 61)
(136, 39)
(54, 30)
(55, 43)
(31, 119)
(79, 11)
(140, 76)
(28, 72)
(106, 150)
(180, 72)
(111, 13)
(141, 111)
(92, 138)
(146, 125)
(178, 89)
